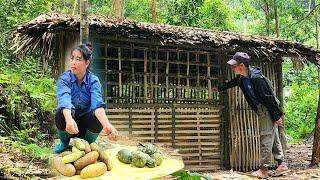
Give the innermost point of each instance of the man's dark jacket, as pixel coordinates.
(262, 88)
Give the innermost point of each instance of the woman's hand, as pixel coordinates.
(72, 127)
(111, 132)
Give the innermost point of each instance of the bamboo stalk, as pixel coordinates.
(120, 74)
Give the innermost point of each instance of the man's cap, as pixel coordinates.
(239, 57)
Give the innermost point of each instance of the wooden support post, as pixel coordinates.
(173, 130)
(209, 78)
(133, 74)
(198, 74)
(130, 120)
(281, 130)
(84, 24)
(156, 124)
(106, 71)
(199, 137)
(167, 76)
(157, 75)
(151, 77)
(145, 84)
(178, 88)
(120, 74)
(315, 160)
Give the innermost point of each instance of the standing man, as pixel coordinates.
(258, 92)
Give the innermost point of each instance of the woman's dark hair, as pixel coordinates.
(86, 51)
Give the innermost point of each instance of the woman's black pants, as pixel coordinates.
(86, 122)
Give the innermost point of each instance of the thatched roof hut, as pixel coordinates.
(159, 81)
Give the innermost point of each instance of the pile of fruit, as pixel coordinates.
(86, 160)
(148, 155)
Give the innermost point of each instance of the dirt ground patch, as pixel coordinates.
(15, 165)
(299, 158)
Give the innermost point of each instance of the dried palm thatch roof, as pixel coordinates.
(40, 32)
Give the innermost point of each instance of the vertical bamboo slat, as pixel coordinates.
(145, 80)
(167, 76)
(156, 124)
(199, 138)
(133, 76)
(208, 77)
(198, 74)
(120, 74)
(173, 128)
(151, 84)
(188, 70)
(178, 89)
(157, 73)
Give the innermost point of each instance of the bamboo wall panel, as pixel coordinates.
(245, 137)
(193, 130)
(142, 74)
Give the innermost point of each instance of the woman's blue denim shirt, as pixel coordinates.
(80, 99)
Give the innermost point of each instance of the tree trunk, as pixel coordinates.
(84, 24)
(75, 4)
(118, 8)
(154, 11)
(317, 26)
(281, 130)
(267, 11)
(276, 16)
(317, 33)
(316, 140)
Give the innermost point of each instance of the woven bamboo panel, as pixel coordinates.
(194, 131)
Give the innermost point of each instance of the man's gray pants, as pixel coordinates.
(269, 139)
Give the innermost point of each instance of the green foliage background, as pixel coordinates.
(21, 76)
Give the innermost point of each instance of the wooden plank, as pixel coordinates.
(203, 168)
(204, 148)
(142, 126)
(143, 132)
(197, 116)
(118, 110)
(179, 132)
(205, 121)
(192, 110)
(212, 155)
(198, 131)
(117, 116)
(143, 116)
(160, 126)
(194, 137)
(136, 121)
(209, 161)
(197, 143)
